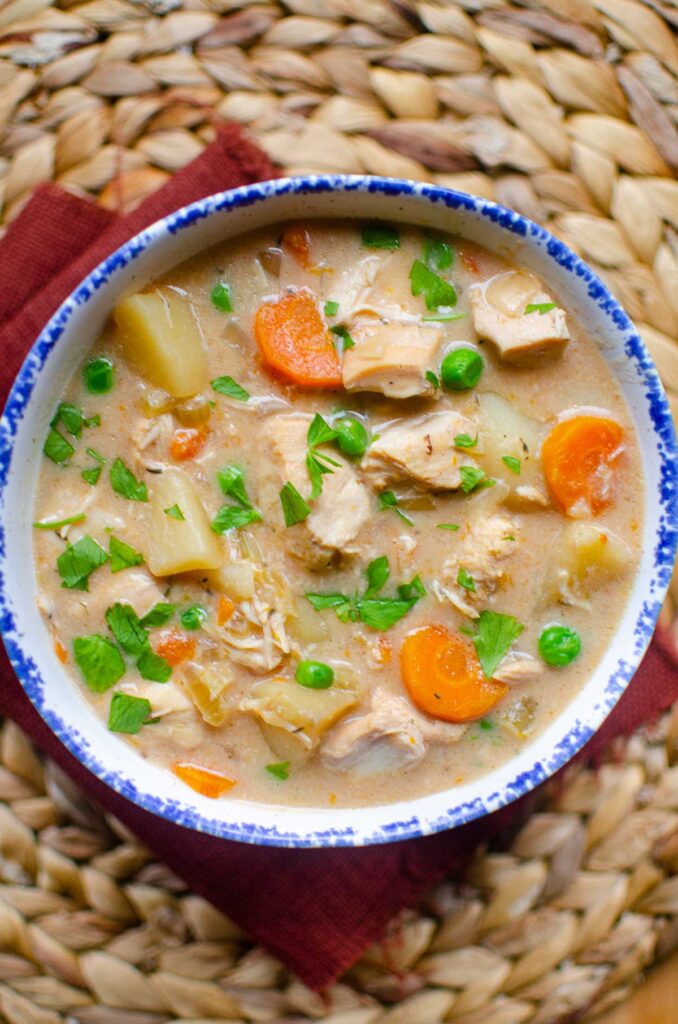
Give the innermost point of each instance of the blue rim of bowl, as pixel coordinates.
(567, 746)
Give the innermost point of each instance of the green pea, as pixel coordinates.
(98, 375)
(315, 675)
(461, 369)
(221, 297)
(352, 438)
(559, 645)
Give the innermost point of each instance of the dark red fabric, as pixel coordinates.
(315, 909)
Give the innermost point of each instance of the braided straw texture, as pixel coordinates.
(565, 110)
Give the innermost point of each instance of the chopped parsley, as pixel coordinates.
(495, 633)
(331, 308)
(128, 713)
(376, 612)
(125, 625)
(432, 378)
(473, 478)
(71, 417)
(91, 476)
(540, 307)
(389, 500)
(153, 667)
(124, 482)
(78, 562)
(57, 448)
(174, 512)
(221, 297)
(279, 771)
(465, 580)
(159, 614)
(122, 555)
(56, 524)
(230, 388)
(438, 255)
(98, 375)
(512, 462)
(193, 617)
(99, 660)
(442, 318)
(342, 333)
(448, 526)
(465, 441)
(435, 290)
(295, 509)
(379, 236)
(233, 517)
(317, 462)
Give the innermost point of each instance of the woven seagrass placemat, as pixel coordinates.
(565, 110)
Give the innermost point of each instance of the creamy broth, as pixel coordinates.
(517, 549)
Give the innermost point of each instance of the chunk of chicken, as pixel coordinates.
(481, 554)
(421, 451)
(499, 314)
(392, 358)
(303, 715)
(517, 668)
(392, 735)
(339, 513)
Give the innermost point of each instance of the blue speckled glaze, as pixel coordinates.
(451, 812)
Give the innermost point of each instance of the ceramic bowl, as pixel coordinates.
(61, 346)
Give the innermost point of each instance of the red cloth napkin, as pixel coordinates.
(317, 910)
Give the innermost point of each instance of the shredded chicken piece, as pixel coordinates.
(518, 667)
(480, 554)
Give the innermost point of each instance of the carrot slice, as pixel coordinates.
(579, 456)
(203, 780)
(297, 242)
(187, 443)
(175, 647)
(60, 651)
(295, 342)
(442, 675)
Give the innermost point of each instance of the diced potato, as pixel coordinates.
(307, 626)
(296, 710)
(155, 402)
(519, 717)
(504, 430)
(585, 558)
(179, 545)
(234, 579)
(160, 335)
(208, 686)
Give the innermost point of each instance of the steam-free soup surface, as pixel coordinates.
(337, 514)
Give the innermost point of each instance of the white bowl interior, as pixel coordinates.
(59, 698)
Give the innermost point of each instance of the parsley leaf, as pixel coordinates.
(540, 307)
(448, 526)
(383, 612)
(465, 580)
(232, 483)
(174, 512)
(377, 573)
(319, 432)
(318, 463)
(414, 588)
(438, 255)
(99, 660)
(465, 441)
(435, 290)
(342, 332)
(387, 500)
(279, 771)
(91, 476)
(124, 482)
(432, 378)
(472, 477)
(122, 555)
(233, 517)
(512, 462)
(152, 667)
(295, 509)
(71, 416)
(78, 561)
(56, 524)
(494, 636)
(221, 297)
(57, 448)
(159, 614)
(341, 604)
(331, 308)
(378, 236)
(229, 387)
(127, 713)
(193, 617)
(98, 375)
(126, 627)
